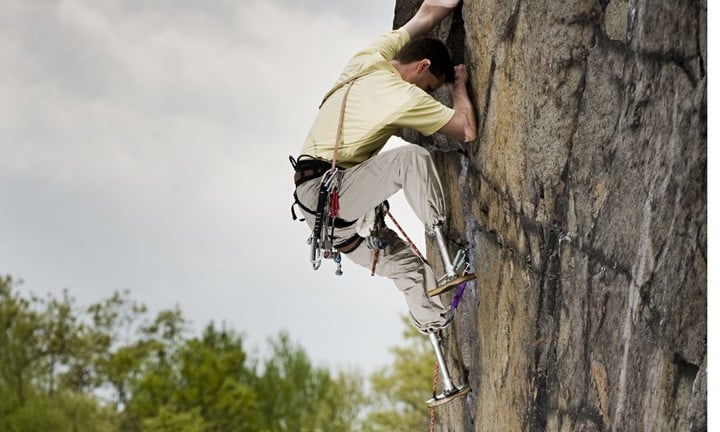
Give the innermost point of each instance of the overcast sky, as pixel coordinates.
(144, 145)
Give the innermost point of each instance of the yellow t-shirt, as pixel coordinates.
(379, 104)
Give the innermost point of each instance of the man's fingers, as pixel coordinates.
(460, 73)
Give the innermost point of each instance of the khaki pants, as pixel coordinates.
(368, 184)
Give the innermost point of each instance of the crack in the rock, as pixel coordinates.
(511, 24)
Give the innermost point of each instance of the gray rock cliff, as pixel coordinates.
(583, 204)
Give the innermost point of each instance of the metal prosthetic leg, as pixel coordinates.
(451, 278)
(449, 268)
(449, 391)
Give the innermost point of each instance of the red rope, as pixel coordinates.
(376, 254)
(407, 237)
(432, 410)
(436, 377)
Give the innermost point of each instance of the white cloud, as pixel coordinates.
(147, 95)
(144, 145)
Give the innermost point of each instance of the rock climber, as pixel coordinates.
(385, 87)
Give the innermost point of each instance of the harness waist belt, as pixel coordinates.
(302, 176)
(308, 168)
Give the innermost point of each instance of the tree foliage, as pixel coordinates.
(108, 367)
(399, 391)
(295, 396)
(111, 367)
(40, 342)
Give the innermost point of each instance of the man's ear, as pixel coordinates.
(422, 66)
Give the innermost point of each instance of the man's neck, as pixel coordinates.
(402, 69)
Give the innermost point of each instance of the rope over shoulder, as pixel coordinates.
(340, 85)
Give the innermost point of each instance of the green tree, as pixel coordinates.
(215, 378)
(20, 351)
(169, 378)
(168, 420)
(399, 391)
(144, 372)
(296, 396)
(57, 337)
(56, 359)
(37, 340)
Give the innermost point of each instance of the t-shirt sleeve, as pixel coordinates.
(388, 44)
(425, 115)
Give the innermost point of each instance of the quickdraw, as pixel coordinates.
(321, 240)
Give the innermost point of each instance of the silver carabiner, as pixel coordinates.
(315, 258)
(332, 179)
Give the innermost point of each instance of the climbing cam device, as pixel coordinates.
(377, 239)
(457, 271)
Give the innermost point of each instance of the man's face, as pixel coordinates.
(430, 82)
(425, 79)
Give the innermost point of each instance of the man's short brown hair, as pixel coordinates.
(432, 49)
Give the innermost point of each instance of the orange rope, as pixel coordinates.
(436, 377)
(432, 410)
(341, 118)
(420, 255)
(407, 237)
(376, 253)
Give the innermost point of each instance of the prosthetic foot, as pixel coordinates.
(449, 391)
(453, 275)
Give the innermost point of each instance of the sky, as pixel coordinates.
(144, 146)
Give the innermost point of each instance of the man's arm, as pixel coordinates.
(462, 126)
(429, 15)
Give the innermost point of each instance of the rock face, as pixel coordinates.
(583, 204)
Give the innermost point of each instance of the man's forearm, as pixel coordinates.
(445, 3)
(429, 15)
(462, 104)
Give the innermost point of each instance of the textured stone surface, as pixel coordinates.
(583, 202)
